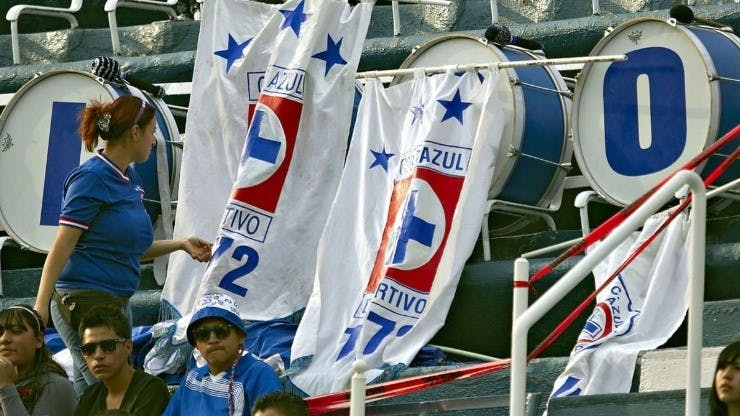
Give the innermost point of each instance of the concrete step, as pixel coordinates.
(662, 370)
(628, 404)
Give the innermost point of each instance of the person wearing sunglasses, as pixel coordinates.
(106, 346)
(104, 230)
(232, 379)
(31, 382)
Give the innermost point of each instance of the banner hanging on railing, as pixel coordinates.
(265, 253)
(214, 135)
(407, 214)
(638, 311)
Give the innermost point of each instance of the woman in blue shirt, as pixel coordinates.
(104, 231)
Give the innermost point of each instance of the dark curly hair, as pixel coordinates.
(287, 404)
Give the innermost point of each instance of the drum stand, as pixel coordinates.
(5, 241)
(517, 210)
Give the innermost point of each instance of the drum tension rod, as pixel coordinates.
(516, 81)
(713, 77)
(516, 152)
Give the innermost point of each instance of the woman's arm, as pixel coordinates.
(64, 243)
(198, 248)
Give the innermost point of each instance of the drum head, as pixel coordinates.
(39, 146)
(458, 49)
(637, 121)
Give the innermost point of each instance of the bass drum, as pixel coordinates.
(535, 150)
(40, 145)
(635, 122)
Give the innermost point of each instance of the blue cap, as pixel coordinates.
(216, 305)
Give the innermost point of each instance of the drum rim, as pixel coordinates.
(106, 88)
(3, 120)
(548, 198)
(554, 186)
(583, 76)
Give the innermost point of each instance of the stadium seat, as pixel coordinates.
(110, 7)
(16, 11)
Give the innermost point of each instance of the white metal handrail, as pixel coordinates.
(111, 6)
(15, 12)
(524, 318)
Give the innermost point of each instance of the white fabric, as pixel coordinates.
(293, 157)
(214, 136)
(638, 311)
(406, 217)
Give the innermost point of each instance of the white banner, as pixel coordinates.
(214, 135)
(407, 214)
(265, 253)
(638, 311)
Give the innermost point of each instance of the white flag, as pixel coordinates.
(293, 157)
(639, 310)
(215, 131)
(406, 217)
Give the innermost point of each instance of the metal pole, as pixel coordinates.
(357, 392)
(491, 65)
(494, 11)
(697, 236)
(517, 399)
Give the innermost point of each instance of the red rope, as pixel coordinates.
(716, 173)
(340, 400)
(607, 226)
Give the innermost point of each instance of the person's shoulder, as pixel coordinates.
(253, 364)
(140, 376)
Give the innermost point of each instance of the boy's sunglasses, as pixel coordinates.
(108, 346)
(203, 333)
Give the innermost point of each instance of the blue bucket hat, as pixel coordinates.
(216, 305)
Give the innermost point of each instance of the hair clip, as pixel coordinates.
(104, 123)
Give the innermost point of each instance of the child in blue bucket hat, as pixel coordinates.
(233, 379)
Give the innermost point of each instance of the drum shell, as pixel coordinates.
(684, 98)
(40, 145)
(536, 117)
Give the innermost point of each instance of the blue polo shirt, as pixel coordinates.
(106, 203)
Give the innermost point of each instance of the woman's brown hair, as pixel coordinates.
(111, 120)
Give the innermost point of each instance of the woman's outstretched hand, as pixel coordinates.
(198, 248)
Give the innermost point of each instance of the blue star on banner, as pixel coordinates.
(233, 51)
(454, 107)
(417, 113)
(331, 55)
(381, 159)
(294, 18)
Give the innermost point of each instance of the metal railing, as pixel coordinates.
(15, 12)
(525, 317)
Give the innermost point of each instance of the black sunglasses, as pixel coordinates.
(204, 332)
(108, 346)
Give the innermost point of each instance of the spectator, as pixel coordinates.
(232, 379)
(31, 383)
(280, 404)
(106, 337)
(724, 399)
(104, 231)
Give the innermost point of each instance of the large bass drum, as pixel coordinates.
(637, 121)
(530, 167)
(40, 145)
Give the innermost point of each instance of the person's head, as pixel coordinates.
(105, 334)
(725, 394)
(22, 340)
(217, 332)
(280, 403)
(127, 121)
